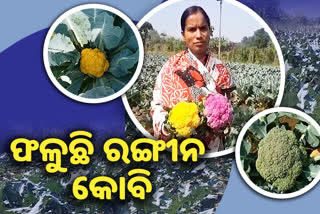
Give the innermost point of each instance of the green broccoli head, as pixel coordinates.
(280, 158)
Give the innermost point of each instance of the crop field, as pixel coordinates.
(257, 87)
(176, 186)
(301, 50)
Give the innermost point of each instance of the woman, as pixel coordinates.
(189, 75)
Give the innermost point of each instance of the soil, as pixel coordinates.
(290, 121)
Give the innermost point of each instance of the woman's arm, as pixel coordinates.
(224, 81)
(158, 113)
(227, 91)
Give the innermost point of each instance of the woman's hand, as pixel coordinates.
(165, 134)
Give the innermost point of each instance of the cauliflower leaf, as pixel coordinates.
(122, 62)
(80, 25)
(61, 43)
(110, 35)
(98, 92)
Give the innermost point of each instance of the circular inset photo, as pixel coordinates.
(209, 66)
(93, 53)
(278, 153)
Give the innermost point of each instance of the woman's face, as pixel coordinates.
(197, 34)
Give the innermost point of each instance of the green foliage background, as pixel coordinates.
(257, 49)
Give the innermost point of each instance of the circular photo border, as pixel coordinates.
(238, 161)
(273, 39)
(83, 99)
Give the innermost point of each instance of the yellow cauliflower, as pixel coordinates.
(93, 62)
(184, 117)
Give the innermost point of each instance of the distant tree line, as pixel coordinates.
(257, 49)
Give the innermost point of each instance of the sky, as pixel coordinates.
(309, 8)
(236, 23)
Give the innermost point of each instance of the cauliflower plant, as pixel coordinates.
(184, 118)
(78, 48)
(93, 62)
(280, 158)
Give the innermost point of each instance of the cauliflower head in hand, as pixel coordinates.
(280, 158)
(93, 62)
(184, 117)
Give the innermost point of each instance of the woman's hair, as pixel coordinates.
(192, 10)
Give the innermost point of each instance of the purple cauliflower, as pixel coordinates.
(218, 111)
